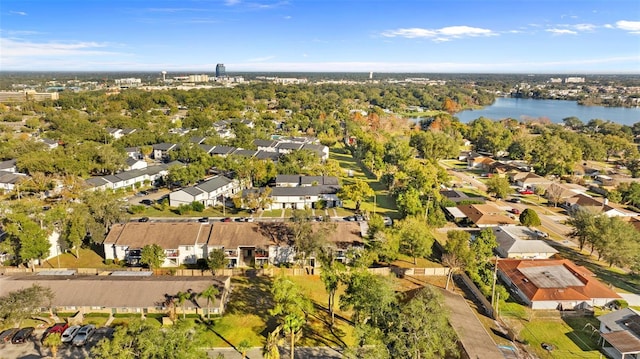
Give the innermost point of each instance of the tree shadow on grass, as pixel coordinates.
(585, 332)
(251, 296)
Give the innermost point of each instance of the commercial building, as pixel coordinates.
(221, 71)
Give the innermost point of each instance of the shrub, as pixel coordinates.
(197, 206)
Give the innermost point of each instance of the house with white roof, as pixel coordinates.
(519, 242)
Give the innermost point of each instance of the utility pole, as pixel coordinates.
(495, 278)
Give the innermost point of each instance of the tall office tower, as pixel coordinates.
(220, 71)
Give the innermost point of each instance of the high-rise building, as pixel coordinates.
(220, 71)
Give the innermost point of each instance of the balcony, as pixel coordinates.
(231, 254)
(172, 253)
(262, 254)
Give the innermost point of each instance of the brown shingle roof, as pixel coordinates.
(169, 235)
(623, 341)
(486, 214)
(111, 292)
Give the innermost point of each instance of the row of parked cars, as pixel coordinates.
(76, 335)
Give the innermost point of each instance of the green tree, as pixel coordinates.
(209, 294)
(243, 346)
(27, 237)
(331, 275)
(421, 328)
(143, 340)
(530, 218)
(370, 296)
(217, 260)
(458, 253)
(152, 255)
(289, 299)
(409, 203)
(415, 238)
(53, 341)
(356, 191)
(181, 299)
(583, 221)
(499, 186)
(293, 324)
(19, 305)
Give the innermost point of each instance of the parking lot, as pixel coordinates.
(33, 348)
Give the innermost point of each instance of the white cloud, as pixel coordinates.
(561, 31)
(584, 27)
(231, 2)
(439, 35)
(631, 26)
(21, 13)
(12, 48)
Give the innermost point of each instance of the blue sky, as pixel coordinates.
(486, 36)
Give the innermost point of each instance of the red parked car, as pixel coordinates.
(56, 328)
(526, 191)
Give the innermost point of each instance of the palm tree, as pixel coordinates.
(210, 294)
(243, 346)
(53, 342)
(270, 350)
(181, 299)
(292, 324)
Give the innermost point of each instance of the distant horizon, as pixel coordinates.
(196, 71)
(323, 36)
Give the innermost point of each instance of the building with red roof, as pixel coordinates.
(554, 283)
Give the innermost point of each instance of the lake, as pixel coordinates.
(555, 110)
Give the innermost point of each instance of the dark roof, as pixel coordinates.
(304, 191)
(267, 155)
(319, 180)
(289, 146)
(96, 181)
(245, 153)
(265, 143)
(7, 164)
(163, 146)
(10, 177)
(288, 179)
(214, 183)
(206, 148)
(197, 139)
(223, 150)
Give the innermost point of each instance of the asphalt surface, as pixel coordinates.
(34, 349)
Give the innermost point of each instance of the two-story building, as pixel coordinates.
(210, 192)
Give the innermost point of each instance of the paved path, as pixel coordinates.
(631, 298)
(474, 337)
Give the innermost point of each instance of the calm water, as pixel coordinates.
(555, 110)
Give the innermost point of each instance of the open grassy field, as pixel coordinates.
(87, 259)
(384, 203)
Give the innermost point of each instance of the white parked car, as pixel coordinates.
(83, 335)
(69, 333)
(541, 234)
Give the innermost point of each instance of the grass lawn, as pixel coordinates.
(404, 261)
(87, 259)
(248, 318)
(384, 203)
(567, 336)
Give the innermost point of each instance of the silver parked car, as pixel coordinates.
(83, 335)
(69, 333)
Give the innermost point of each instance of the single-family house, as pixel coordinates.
(620, 333)
(521, 242)
(266, 145)
(480, 162)
(486, 215)
(210, 192)
(459, 196)
(121, 292)
(288, 147)
(553, 283)
(530, 180)
(597, 205)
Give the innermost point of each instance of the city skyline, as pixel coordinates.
(322, 36)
